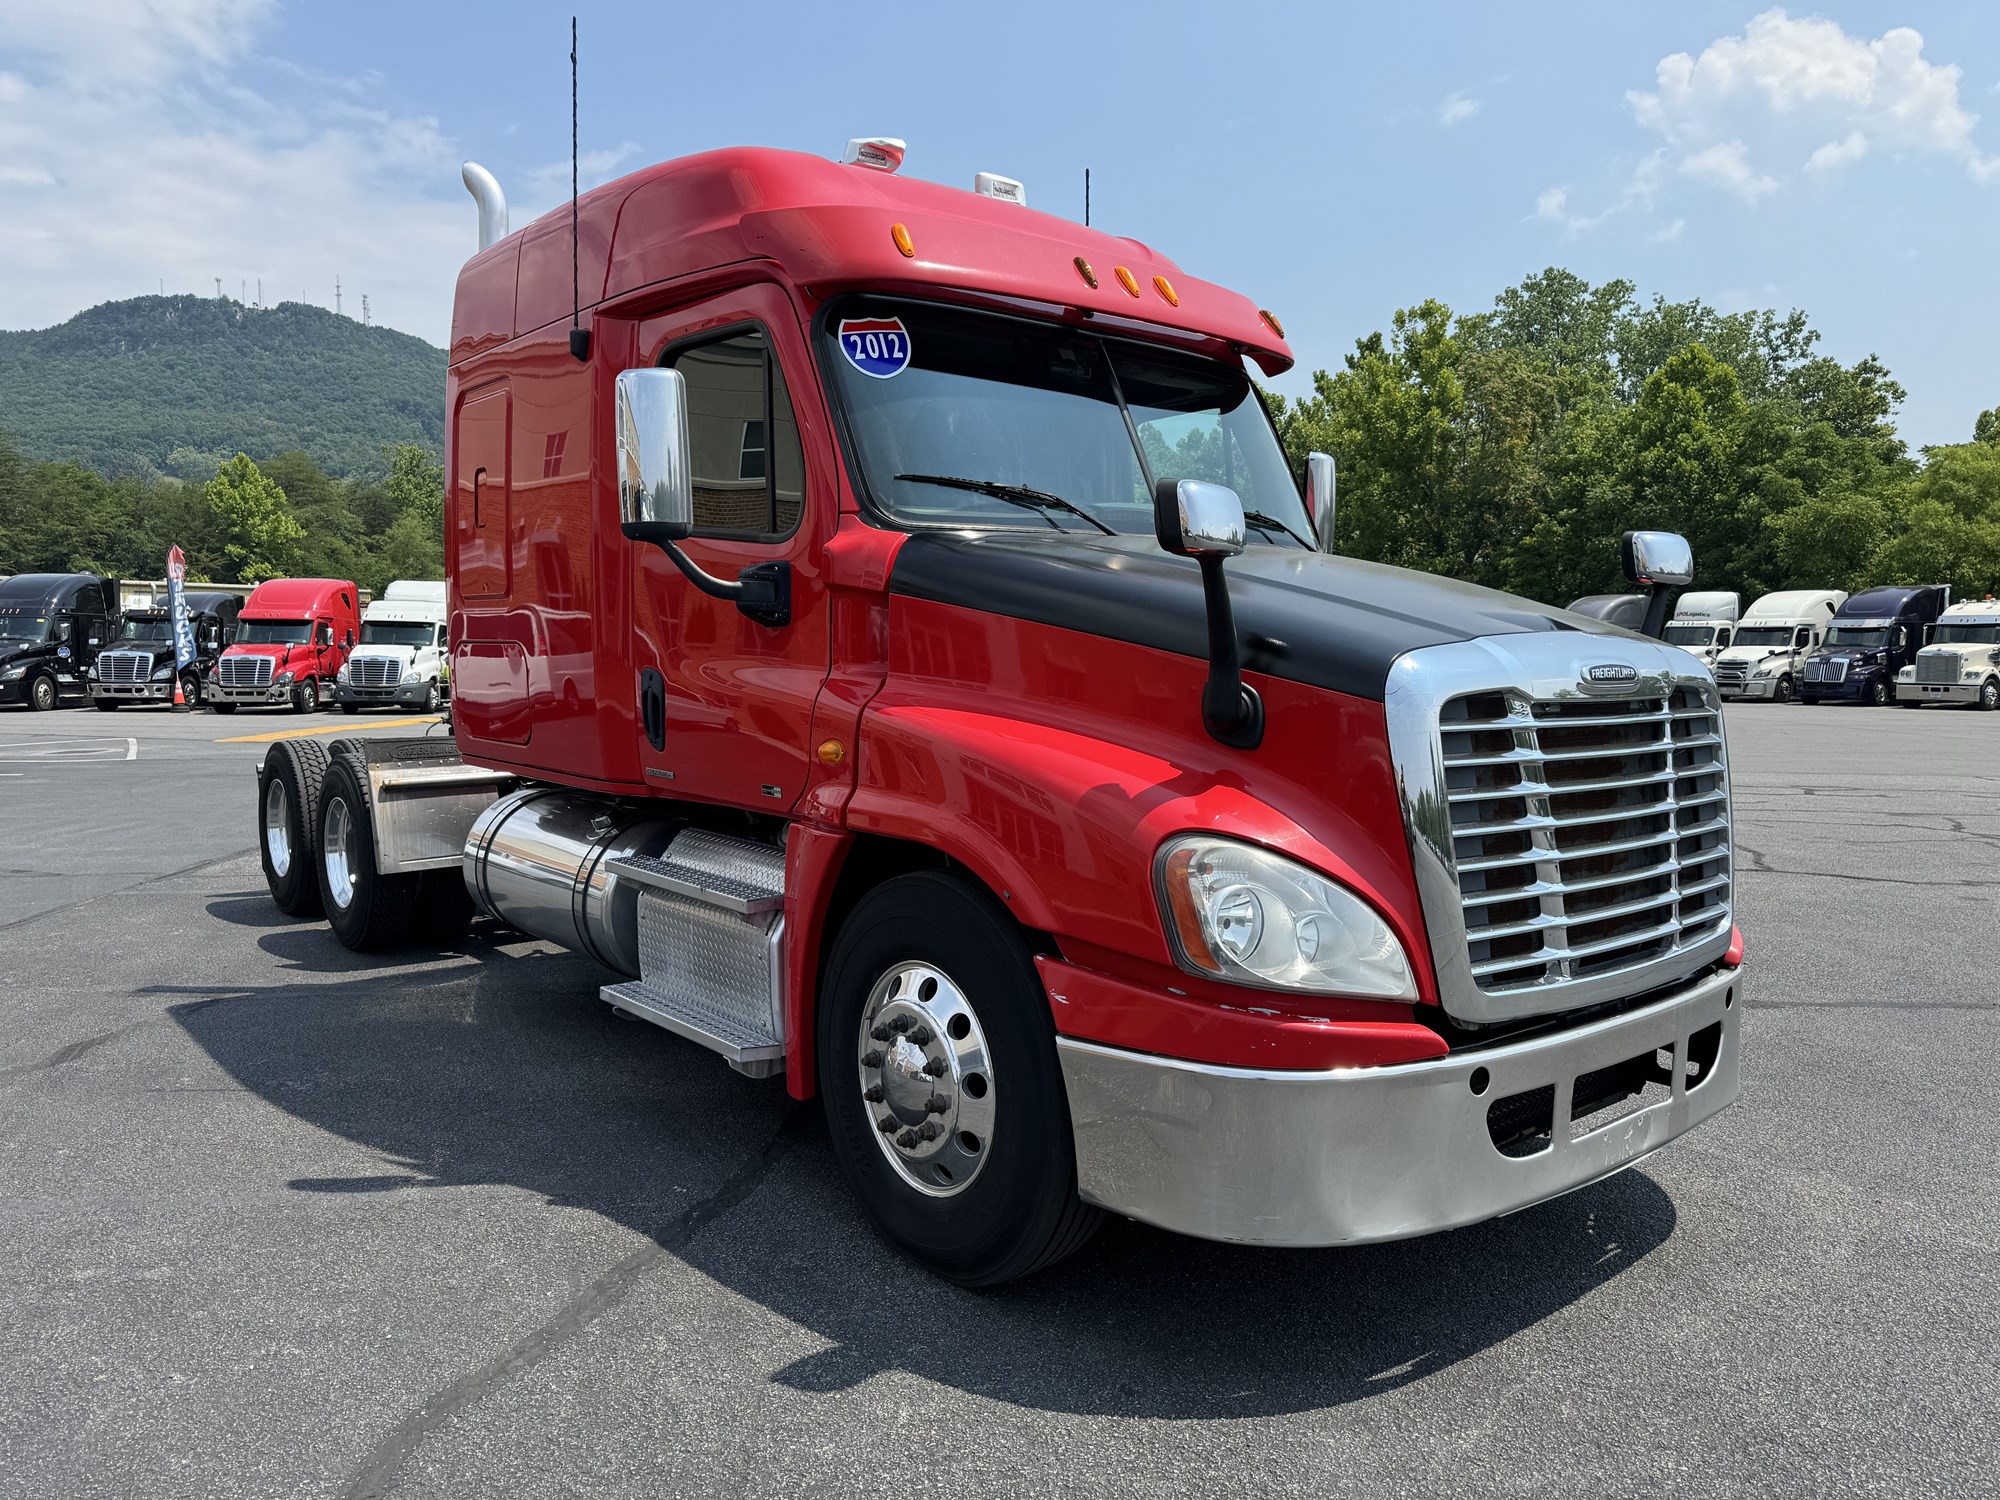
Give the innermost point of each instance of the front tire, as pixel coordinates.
(191, 689)
(1787, 689)
(305, 697)
(1879, 693)
(43, 693)
(368, 911)
(431, 699)
(288, 824)
(1989, 695)
(942, 1089)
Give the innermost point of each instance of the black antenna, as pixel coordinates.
(579, 336)
(1086, 197)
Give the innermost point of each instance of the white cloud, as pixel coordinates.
(1456, 110)
(1793, 83)
(1667, 233)
(137, 153)
(1551, 203)
(1727, 165)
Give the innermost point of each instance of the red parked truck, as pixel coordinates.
(887, 635)
(291, 639)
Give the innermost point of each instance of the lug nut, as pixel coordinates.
(872, 1058)
(873, 1093)
(930, 1130)
(901, 1024)
(935, 1105)
(880, 1033)
(907, 1139)
(934, 1066)
(887, 1124)
(923, 1036)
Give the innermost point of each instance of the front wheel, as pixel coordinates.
(943, 1093)
(305, 697)
(1879, 693)
(1787, 690)
(191, 689)
(431, 699)
(1989, 695)
(42, 693)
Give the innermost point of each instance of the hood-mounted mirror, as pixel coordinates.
(1662, 561)
(1204, 521)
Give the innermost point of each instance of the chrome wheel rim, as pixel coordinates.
(45, 692)
(278, 828)
(926, 1079)
(338, 855)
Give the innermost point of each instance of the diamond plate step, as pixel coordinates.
(712, 1029)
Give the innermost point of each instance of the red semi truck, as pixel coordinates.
(291, 639)
(886, 634)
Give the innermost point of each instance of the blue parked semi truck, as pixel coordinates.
(1872, 637)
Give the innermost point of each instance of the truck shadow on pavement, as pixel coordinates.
(503, 1067)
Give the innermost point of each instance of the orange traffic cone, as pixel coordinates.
(180, 701)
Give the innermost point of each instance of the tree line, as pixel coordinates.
(247, 522)
(1511, 447)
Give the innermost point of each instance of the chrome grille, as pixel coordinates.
(1827, 669)
(246, 671)
(1732, 672)
(1590, 836)
(1938, 666)
(374, 671)
(124, 668)
(1571, 839)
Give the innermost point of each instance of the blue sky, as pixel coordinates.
(1334, 162)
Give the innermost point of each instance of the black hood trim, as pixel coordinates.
(1328, 622)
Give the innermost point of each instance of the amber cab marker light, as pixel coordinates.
(1166, 289)
(902, 238)
(832, 752)
(1083, 269)
(1272, 318)
(1127, 280)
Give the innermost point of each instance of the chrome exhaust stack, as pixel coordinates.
(485, 190)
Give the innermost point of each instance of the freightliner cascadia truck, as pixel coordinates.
(1703, 623)
(137, 666)
(291, 640)
(400, 660)
(887, 636)
(51, 627)
(1962, 662)
(1767, 657)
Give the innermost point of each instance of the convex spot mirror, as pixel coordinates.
(1658, 557)
(655, 488)
(1193, 518)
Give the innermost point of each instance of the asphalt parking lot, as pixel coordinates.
(280, 1220)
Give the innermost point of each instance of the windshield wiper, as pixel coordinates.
(1267, 524)
(1013, 494)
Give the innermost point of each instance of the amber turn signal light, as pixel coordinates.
(1272, 318)
(902, 238)
(1083, 269)
(1166, 289)
(1127, 280)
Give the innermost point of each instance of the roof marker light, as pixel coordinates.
(1166, 289)
(1083, 269)
(1127, 280)
(880, 153)
(1272, 318)
(993, 185)
(902, 238)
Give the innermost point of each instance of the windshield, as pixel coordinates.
(1977, 632)
(1858, 635)
(389, 633)
(274, 633)
(1764, 635)
(1023, 407)
(1689, 635)
(147, 630)
(18, 623)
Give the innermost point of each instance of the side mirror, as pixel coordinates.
(1663, 561)
(656, 492)
(655, 486)
(1193, 518)
(61, 632)
(1659, 557)
(1319, 497)
(350, 640)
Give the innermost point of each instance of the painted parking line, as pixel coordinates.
(43, 751)
(299, 734)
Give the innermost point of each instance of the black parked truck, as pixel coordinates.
(137, 663)
(51, 626)
(1870, 638)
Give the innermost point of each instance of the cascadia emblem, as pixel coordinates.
(1611, 671)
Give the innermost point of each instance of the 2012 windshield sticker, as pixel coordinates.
(875, 346)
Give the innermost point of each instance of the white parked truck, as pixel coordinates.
(1962, 662)
(1704, 623)
(400, 661)
(1772, 641)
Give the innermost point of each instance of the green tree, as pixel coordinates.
(260, 539)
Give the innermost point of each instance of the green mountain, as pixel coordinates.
(174, 385)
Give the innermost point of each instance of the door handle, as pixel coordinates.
(478, 474)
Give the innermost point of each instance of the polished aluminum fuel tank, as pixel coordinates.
(539, 860)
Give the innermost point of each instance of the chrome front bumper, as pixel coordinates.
(1750, 687)
(214, 692)
(135, 692)
(1939, 692)
(1361, 1154)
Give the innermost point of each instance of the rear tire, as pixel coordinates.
(288, 824)
(368, 911)
(1010, 1205)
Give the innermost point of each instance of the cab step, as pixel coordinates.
(711, 916)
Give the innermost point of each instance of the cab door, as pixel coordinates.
(726, 701)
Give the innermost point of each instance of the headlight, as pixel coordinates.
(10, 673)
(1763, 671)
(93, 672)
(410, 672)
(1241, 913)
(341, 675)
(284, 677)
(161, 674)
